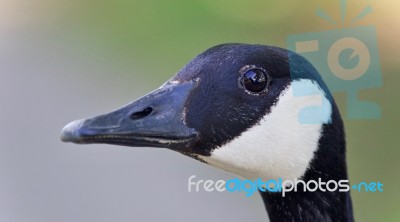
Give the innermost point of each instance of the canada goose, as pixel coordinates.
(234, 107)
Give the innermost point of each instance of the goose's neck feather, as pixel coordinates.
(329, 163)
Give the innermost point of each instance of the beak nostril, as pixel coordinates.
(141, 114)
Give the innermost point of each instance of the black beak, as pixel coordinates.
(155, 120)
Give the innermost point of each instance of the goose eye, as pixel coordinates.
(255, 80)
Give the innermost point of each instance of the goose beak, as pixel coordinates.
(155, 120)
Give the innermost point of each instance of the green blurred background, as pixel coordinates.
(67, 59)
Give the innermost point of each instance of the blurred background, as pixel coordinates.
(68, 59)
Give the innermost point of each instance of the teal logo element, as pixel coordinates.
(346, 58)
(368, 187)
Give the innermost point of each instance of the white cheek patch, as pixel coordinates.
(279, 146)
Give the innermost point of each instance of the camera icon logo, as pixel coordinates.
(348, 61)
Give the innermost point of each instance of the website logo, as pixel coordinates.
(346, 57)
(249, 187)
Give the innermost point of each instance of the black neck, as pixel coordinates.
(308, 206)
(329, 164)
